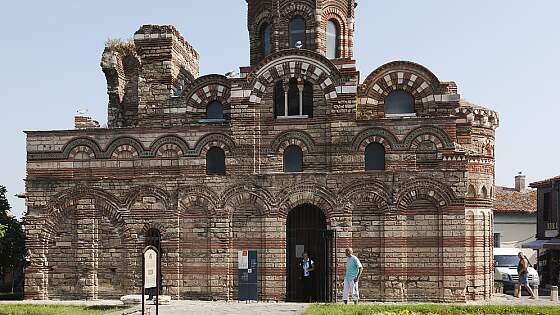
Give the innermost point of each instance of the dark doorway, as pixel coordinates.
(152, 237)
(306, 231)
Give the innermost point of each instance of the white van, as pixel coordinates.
(505, 268)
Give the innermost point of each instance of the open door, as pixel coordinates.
(331, 259)
(306, 232)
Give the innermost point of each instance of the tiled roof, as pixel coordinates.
(545, 182)
(509, 200)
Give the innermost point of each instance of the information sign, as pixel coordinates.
(150, 269)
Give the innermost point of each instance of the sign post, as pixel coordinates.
(150, 274)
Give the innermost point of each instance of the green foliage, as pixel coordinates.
(124, 47)
(22, 309)
(429, 309)
(4, 204)
(12, 244)
(2, 230)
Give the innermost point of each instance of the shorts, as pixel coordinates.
(524, 278)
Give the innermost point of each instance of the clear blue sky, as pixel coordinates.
(503, 54)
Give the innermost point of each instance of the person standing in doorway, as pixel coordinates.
(354, 270)
(523, 274)
(308, 268)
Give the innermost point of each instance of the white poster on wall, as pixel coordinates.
(300, 249)
(243, 259)
(150, 269)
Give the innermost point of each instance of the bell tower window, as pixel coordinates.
(332, 40)
(266, 36)
(297, 32)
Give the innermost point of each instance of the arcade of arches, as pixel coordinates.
(92, 249)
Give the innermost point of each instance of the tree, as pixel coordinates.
(4, 207)
(12, 244)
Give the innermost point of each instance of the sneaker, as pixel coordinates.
(533, 298)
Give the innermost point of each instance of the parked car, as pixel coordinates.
(505, 268)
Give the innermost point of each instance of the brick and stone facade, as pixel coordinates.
(422, 226)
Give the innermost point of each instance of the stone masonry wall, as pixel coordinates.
(421, 226)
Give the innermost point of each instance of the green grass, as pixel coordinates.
(429, 309)
(26, 309)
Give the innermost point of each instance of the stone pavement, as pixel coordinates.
(505, 299)
(195, 307)
(234, 308)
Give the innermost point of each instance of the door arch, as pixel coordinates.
(306, 231)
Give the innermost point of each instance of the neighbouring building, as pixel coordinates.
(515, 216)
(548, 238)
(297, 152)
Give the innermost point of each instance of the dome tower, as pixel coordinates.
(323, 26)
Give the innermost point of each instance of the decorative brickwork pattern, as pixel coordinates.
(422, 226)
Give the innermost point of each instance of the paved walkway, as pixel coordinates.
(223, 308)
(504, 299)
(196, 307)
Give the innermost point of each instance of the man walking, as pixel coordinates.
(523, 275)
(354, 271)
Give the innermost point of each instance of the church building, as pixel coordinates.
(297, 152)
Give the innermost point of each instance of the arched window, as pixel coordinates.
(215, 111)
(216, 161)
(332, 40)
(297, 31)
(484, 192)
(399, 102)
(375, 157)
(293, 159)
(266, 36)
(471, 192)
(296, 101)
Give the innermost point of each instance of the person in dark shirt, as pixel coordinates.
(307, 269)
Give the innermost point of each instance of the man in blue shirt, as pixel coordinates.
(354, 271)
